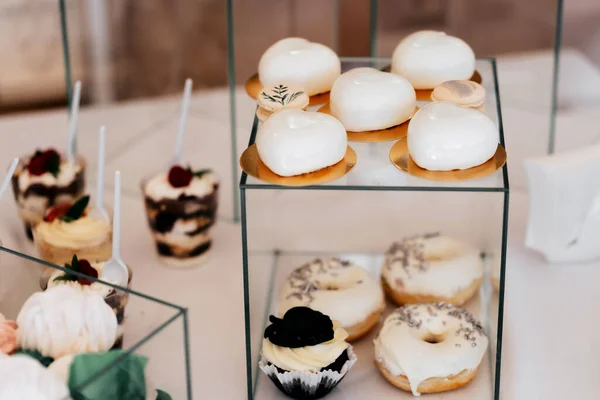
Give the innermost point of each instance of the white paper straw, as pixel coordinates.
(185, 105)
(100, 177)
(8, 176)
(116, 254)
(73, 122)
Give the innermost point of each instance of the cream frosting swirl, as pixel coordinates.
(83, 232)
(66, 174)
(159, 188)
(307, 358)
(26, 379)
(95, 287)
(63, 320)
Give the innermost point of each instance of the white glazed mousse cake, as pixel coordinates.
(295, 142)
(428, 58)
(296, 61)
(444, 136)
(181, 206)
(366, 99)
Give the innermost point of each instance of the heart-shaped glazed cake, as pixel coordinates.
(310, 66)
(428, 58)
(444, 136)
(366, 99)
(295, 142)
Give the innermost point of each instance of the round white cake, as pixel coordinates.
(295, 61)
(366, 99)
(444, 136)
(295, 142)
(428, 58)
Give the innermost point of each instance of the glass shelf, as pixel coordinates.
(374, 171)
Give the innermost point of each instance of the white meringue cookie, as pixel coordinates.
(295, 142)
(428, 58)
(444, 136)
(24, 378)
(366, 99)
(64, 320)
(62, 367)
(296, 61)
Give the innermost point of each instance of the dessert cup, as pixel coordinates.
(34, 194)
(116, 299)
(181, 218)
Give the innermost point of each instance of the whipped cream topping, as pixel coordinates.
(296, 61)
(159, 188)
(431, 264)
(96, 287)
(428, 58)
(307, 358)
(86, 231)
(444, 136)
(63, 320)
(342, 290)
(66, 175)
(366, 99)
(25, 378)
(295, 142)
(422, 341)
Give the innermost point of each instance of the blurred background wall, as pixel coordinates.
(150, 46)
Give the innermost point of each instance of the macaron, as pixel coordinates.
(280, 97)
(464, 93)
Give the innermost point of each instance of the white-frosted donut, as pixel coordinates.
(342, 290)
(366, 99)
(296, 61)
(428, 341)
(428, 58)
(295, 142)
(431, 267)
(444, 136)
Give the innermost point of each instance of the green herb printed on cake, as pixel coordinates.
(76, 210)
(280, 95)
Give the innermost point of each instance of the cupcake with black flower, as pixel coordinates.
(305, 353)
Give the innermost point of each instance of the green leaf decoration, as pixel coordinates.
(76, 210)
(54, 164)
(162, 395)
(281, 95)
(68, 277)
(123, 381)
(45, 361)
(201, 173)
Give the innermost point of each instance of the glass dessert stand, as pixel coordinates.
(153, 331)
(357, 218)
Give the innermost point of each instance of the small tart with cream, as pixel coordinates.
(431, 268)
(338, 288)
(305, 353)
(464, 93)
(69, 229)
(280, 97)
(430, 348)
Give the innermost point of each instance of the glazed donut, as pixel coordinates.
(431, 268)
(430, 348)
(342, 290)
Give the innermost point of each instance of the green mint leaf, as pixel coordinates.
(162, 395)
(201, 173)
(54, 164)
(64, 218)
(77, 209)
(65, 278)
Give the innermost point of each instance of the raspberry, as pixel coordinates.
(57, 211)
(179, 177)
(41, 162)
(86, 268)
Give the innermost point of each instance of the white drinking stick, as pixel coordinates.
(185, 105)
(8, 177)
(116, 254)
(73, 122)
(101, 152)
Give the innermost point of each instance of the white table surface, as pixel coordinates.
(551, 341)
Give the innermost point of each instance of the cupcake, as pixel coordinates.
(63, 320)
(44, 180)
(71, 228)
(181, 206)
(116, 299)
(305, 353)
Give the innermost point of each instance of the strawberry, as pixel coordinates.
(86, 268)
(44, 161)
(179, 176)
(57, 211)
